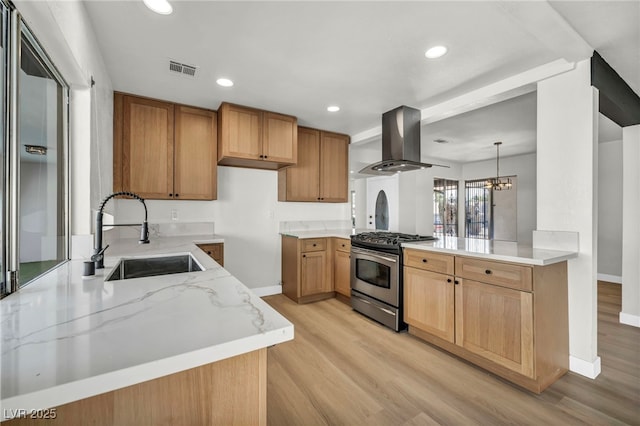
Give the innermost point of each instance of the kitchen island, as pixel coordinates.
(186, 348)
(500, 305)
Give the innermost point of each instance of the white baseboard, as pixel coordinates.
(629, 319)
(610, 278)
(267, 291)
(585, 368)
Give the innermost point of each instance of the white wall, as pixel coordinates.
(631, 226)
(610, 210)
(522, 166)
(567, 168)
(247, 214)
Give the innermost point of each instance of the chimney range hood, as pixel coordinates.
(400, 143)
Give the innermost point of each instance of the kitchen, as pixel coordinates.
(246, 212)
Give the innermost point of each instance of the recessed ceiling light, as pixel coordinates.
(224, 82)
(159, 6)
(435, 52)
(333, 108)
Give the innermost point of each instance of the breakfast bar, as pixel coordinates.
(188, 346)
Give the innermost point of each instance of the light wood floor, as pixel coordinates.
(344, 369)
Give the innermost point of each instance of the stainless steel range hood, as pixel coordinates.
(400, 143)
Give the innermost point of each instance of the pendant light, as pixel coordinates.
(497, 183)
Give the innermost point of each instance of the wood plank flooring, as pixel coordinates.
(344, 369)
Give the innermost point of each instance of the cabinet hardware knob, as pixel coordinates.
(488, 272)
(448, 280)
(314, 244)
(177, 195)
(209, 252)
(170, 195)
(456, 282)
(265, 156)
(304, 255)
(424, 260)
(343, 245)
(261, 156)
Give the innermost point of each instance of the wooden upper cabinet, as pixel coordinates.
(239, 128)
(321, 174)
(163, 150)
(302, 182)
(249, 137)
(195, 176)
(147, 147)
(334, 167)
(279, 138)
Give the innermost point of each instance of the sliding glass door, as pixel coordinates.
(33, 168)
(3, 141)
(41, 118)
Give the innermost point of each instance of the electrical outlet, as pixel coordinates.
(174, 214)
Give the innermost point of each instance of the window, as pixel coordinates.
(445, 207)
(35, 144)
(477, 209)
(353, 209)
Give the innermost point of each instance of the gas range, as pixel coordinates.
(388, 242)
(376, 275)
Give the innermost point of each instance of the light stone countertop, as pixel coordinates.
(494, 250)
(65, 338)
(324, 233)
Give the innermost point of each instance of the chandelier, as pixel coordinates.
(497, 183)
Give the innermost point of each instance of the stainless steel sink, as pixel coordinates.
(153, 266)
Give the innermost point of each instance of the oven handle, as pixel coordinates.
(374, 253)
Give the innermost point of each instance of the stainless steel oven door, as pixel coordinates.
(376, 274)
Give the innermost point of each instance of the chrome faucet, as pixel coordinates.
(98, 251)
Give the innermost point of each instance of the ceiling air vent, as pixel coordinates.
(185, 69)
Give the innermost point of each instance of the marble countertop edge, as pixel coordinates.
(523, 254)
(107, 382)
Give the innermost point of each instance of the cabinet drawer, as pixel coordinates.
(215, 251)
(503, 274)
(342, 244)
(317, 244)
(429, 261)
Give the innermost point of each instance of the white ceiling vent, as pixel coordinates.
(177, 67)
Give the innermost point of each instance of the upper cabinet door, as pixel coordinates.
(279, 138)
(334, 167)
(240, 135)
(303, 180)
(147, 147)
(195, 154)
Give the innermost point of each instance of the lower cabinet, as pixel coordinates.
(497, 324)
(215, 251)
(508, 318)
(307, 267)
(429, 302)
(342, 266)
(313, 273)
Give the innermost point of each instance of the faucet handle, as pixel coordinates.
(99, 255)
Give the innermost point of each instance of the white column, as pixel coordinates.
(631, 226)
(567, 196)
(80, 169)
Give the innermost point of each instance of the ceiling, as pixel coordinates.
(298, 57)
(470, 136)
